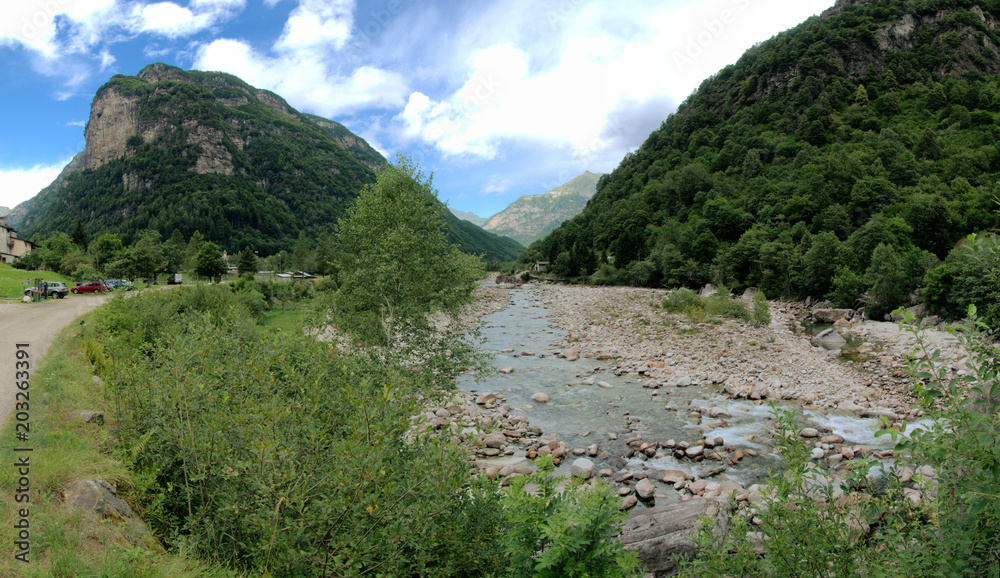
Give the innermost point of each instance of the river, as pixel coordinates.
(611, 406)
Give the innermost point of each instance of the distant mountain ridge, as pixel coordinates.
(532, 217)
(190, 150)
(470, 217)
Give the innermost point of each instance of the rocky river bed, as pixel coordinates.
(664, 406)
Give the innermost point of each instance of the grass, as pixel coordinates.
(11, 279)
(286, 318)
(63, 543)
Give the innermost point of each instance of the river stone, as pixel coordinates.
(507, 370)
(540, 398)
(672, 476)
(683, 381)
(442, 413)
(494, 440)
(718, 412)
(831, 315)
(645, 489)
(629, 502)
(694, 451)
(659, 535)
(492, 472)
(523, 467)
(582, 468)
(818, 453)
(849, 406)
(809, 432)
(571, 354)
(832, 439)
(604, 384)
(593, 450)
(486, 398)
(830, 337)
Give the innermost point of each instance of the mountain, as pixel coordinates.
(531, 217)
(191, 150)
(873, 125)
(470, 217)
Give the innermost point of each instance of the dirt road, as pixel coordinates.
(36, 324)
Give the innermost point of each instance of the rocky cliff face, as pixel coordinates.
(533, 216)
(192, 150)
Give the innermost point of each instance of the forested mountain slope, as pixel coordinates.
(170, 149)
(872, 125)
(532, 217)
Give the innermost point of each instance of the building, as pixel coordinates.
(11, 247)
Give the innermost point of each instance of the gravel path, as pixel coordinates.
(36, 324)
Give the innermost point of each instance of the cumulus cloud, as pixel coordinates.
(305, 80)
(18, 184)
(58, 28)
(606, 75)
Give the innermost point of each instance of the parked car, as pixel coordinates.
(90, 287)
(175, 279)
(52, 289)
(115, 284)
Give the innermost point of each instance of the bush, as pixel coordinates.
(271, 453)
(721, 304)
(761, 314)
(556, 531)
(813, 525)
(680, 299)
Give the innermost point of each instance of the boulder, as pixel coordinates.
(540, 398)
(486, 398)
(507, 370)
(831, 315)
(659, 535)
(86, 416)
(645, 489)
(571, 354)
(718, 412)
(582, 468)
(829, 337)
(98, 501)
(708, 290)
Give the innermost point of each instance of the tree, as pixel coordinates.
(302, 257)
(209, 262)
(396, 266)
(174, 252)
(79, 235)
(885, 280)
(105, 249)
(194, 245)
(146, 254)
(247, 262)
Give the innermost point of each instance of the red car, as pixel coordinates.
(90, 287)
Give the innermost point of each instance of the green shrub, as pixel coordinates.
(721, 304)
(760, 316)
(680, 299)
(556, 531)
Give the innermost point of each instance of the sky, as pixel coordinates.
(497, 98)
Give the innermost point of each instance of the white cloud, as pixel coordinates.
(305, 79)
(18, 184)
(317, 24)
(605, 75)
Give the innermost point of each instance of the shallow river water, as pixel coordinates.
(580, 415)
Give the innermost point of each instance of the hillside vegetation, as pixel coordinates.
(210, 153)
(849, 153)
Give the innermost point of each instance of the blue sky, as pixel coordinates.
(498, 98)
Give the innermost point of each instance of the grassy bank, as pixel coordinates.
(64, 449)
(11, 280)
